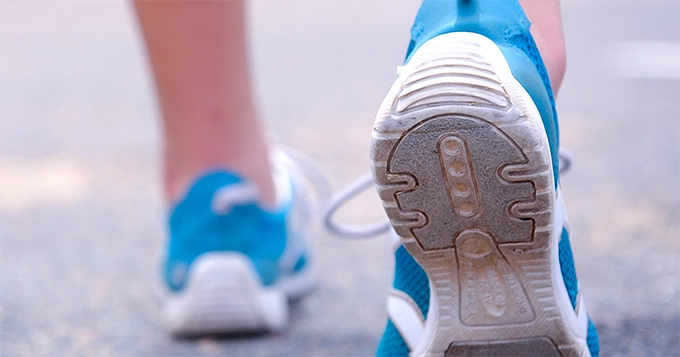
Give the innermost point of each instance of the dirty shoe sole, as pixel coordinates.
(462, 164)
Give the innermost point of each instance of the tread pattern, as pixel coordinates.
(464, 171)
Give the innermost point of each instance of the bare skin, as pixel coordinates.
(546, 27)
(199, 59)
(198, 55)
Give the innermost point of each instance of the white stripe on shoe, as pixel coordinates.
(406, 317)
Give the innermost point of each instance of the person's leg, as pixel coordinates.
(547, 30)
(465, 158)
(199, 59)
(233, 257)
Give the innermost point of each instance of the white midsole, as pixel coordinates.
(391, 126)
(224, 293)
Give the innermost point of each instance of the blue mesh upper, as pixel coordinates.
(195, 229)
(391, 343)
(568, 268)
(525, 43)
(505, 23)
(592, 340)
(410, 278)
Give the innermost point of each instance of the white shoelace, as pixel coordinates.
(364, 182)
(226, 198)
(307, 173)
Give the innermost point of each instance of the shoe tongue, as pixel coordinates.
(236, 194)
(201, 193)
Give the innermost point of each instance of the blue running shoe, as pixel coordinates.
(231, 265)
(464, 154)
(408, 303)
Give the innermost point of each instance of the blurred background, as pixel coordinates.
(82, 215)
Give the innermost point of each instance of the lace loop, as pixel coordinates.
(566, 161)
(347, 193)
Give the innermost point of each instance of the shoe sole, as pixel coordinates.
(225, 295)
(462, 164)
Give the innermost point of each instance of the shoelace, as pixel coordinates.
(296, 164)
(316, 183)
(226, 198)
(364, 182)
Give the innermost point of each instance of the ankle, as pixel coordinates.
(179, 178)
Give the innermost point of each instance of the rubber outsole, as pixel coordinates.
(462, 164)
(225, 295)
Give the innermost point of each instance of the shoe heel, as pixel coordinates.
(462, 164)
(224, 295)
